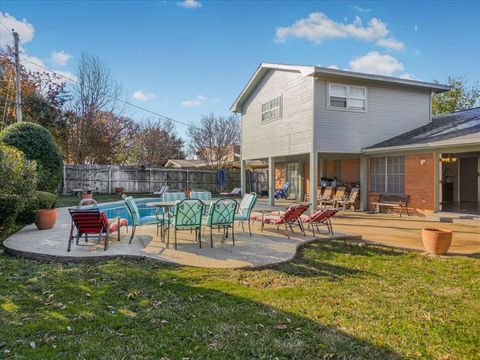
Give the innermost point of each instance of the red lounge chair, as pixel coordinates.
(320, 218)
(93, 222)
(288, 218)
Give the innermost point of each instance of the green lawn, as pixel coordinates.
(337, 300)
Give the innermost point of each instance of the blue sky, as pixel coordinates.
(184, 59)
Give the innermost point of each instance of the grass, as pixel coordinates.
(337, 300)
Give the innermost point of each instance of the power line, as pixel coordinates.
(114, 98)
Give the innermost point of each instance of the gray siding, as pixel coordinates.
(391, 110)
(289, 135)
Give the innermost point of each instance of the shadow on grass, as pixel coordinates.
(140, 309)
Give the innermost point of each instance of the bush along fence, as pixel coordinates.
(108, 179)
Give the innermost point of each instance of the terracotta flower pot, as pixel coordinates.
(119, 190)
(46, 219)
(436, 241)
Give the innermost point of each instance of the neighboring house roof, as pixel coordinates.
(263, 68)
(184, 163)
(457, 128)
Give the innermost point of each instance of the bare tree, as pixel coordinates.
(95, 95)
(156, 143)
(216, 138)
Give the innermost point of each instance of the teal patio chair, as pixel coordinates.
(201, 195)
(138, 220)
(187, 215)
(173, 196)
(222, 216)
(245, 209)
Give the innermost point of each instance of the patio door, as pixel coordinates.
(294, 178)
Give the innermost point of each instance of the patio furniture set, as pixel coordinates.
(177, 212)
(341, 199)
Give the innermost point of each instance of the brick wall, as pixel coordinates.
(279, 175)
(419, 180)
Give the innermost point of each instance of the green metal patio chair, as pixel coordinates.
(138, 220)
(245, 209)
(173, 196)
(222, 216)
(187, 215)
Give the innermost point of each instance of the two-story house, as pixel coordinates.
(308, 122)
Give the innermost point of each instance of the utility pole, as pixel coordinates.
(18, 101)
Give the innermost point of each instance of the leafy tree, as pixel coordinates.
(37, 144)
(43, 95)
(461, 97)
(215, 139)
(156, 143)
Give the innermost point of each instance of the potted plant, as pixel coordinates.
(46, 212)
(436, 241)
(119, 190)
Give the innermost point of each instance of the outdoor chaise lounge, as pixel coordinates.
(288, 218)
(221, 215)
(320, 218)
(350, 201)
(90, 222)
(163, 189)
(245, 209)
(138, 220)
(234, 192)
(326, 196)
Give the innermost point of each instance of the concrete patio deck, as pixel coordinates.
(262, 249)
(405, 232)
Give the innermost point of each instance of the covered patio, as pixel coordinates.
(304, 174)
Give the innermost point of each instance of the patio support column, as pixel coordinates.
(313, 180)
(363, 183)
(243, 184)
(271, 181)
(437, 182)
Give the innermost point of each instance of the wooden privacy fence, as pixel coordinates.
(138, 179)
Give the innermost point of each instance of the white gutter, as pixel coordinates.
(425, 146)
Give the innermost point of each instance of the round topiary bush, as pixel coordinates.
(37, 144)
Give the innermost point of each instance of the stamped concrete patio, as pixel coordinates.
(269, 247)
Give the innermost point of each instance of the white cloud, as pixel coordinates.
(317, 27)
(406, 76)
(361, 9)
(376, 63)
(142, 95)
(190, 4)
(196, 101)
(60, 58)
(24, 29)
(333, 66)
(34, 64)
(390, 43)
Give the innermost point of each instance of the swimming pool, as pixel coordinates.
(119, 209)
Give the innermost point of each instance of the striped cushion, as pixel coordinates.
(202, 195)
(173, 196)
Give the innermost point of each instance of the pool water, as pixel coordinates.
(119, 209)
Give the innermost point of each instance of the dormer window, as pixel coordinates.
(272, 110)
(347, 97)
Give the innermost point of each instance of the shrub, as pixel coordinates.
(9, 208)
(18, 176)
(37, 144)
(46, 200)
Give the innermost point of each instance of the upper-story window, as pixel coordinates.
(272, 110)
(347, 97)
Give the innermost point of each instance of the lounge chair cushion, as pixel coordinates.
(113, 224)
